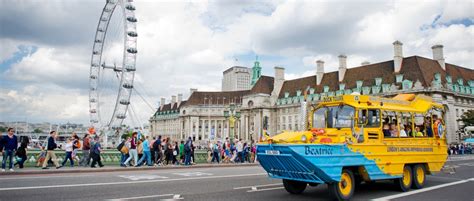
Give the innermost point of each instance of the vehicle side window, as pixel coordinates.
(406, 125)
(419, 130)
(390, 124)
(373, 118)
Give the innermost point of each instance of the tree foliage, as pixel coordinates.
(37, 130)
(467, 118)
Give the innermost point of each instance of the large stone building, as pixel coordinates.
(275, 102)
(236, 78)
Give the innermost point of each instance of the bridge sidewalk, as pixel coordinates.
(113, 168)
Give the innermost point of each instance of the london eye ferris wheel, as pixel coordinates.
(113, 61)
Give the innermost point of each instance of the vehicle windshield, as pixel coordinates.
(339, 116)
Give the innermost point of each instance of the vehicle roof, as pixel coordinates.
(418, 103)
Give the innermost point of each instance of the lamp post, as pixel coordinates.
(233, 116)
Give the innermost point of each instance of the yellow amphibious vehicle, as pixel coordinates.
(355, 138)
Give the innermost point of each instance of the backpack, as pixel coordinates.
(156, 144)
(120, 146)
(77, 144)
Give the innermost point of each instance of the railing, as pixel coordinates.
(109, 157)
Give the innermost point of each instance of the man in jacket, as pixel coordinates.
(10, 145)
(50, 151)
(86, 146)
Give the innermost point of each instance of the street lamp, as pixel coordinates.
(233, 116)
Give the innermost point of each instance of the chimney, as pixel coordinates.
(279, 73)
(278, 81)
(342, 66)
(397, 55)
(173, 99)
(438, 55)
(319, 71)
(365, 63)
(180, 98)
(162, 102)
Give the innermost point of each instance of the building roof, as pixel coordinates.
(235, 67)
(264, 85)
(171, 107)
(414, 68)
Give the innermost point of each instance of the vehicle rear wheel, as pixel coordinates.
(404, 183)
(419, 176)
(344, 189)
(294, 187)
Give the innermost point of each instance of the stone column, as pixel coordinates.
(451, 122)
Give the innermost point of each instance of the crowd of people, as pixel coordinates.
(460, 149)
(137, 151)
(227, 152)
(90, 146)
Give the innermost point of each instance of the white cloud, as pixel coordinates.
(188, 44)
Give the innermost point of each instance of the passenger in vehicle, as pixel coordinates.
(409, 131)
(386, 130)
(429, 129)
(402, 131)
(418, 133)
(393, 130)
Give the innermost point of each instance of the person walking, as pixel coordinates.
(146, 153)
(240, 149)
(123, 147)
(86, 146)
(95, 153)
(76, 145)
(187, 151)
(157, 150)
(181, 152)
(21, 153)
(68, 147)
(10, 145)
(168, 151)
(133, 150)
(175, 153)
(215, 153)
(50, 151)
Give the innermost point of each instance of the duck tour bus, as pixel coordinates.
(351, 139)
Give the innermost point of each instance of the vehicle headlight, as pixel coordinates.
(303, 138)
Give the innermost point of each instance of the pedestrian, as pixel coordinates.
(152, 151)
(181, 152)
(123, 147)
(146, 153)
(133, 150)
(86, 146)
(95, 153)
(157, 150)
(41, 156)
(68, 147)
(10, 145)
(50, 151)
(187, 151)
(240, 149)
(76, 145)
(215, 153)
(175, 153)
(168, 151)
(21, 152)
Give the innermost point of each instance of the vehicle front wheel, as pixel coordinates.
(344, 189)
(419, 176)
(404, 183)
(294, 187)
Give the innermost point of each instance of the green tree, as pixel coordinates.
(37, 130)
(467, 118)
(3, 129)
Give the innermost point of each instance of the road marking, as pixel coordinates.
(265, 185)
(265, 189)
(423, 190)
(130, 182)
(141, 197)
(142, 177)
(190, 174)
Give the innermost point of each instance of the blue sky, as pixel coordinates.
(45, 57)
